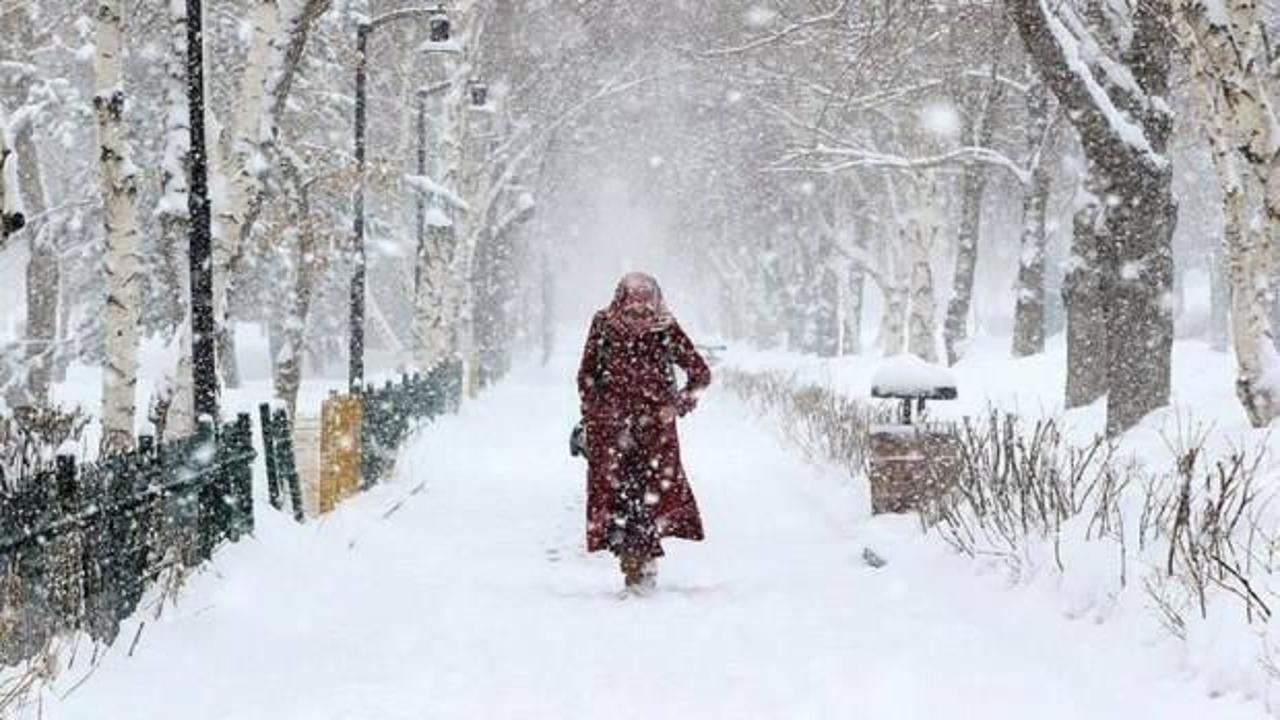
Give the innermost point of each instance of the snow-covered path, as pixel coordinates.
(474, 600)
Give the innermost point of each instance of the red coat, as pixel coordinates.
(630, 407)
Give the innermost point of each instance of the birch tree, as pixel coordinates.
(174, 220)
(922, 240)
(433, 332)
(1228, 60)
(306, 267)
(120, 371)
(280, 30)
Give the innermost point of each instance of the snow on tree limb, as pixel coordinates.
(850, 159)
(432, 188)
(1065, 66)
(780, 35)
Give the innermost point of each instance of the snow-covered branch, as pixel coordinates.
(797, 26)
(836, 159)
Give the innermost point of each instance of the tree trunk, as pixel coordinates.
(855, 292)
(893, 329)
(42, 274)
(5, 156)
(175, 223)
(980, 121)
(1228, 60)
(478, 130)
(955, 329)
(1124, 129)
(1248, 278)
(826, 315)
(1082, 294)
(174, 170)
(546, 318)
(1029, 312)
(247, 168)
(433, 327)
(275, 52)
(306, 267)
(1140, 321)
(1219, 299)
(120, 371)
(434, 331)
(922, 337)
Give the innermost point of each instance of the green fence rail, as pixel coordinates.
(392, 411)
(389, 413)
(80, 544)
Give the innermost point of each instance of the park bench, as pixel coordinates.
(913, 459)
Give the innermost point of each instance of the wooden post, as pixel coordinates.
(269, 456)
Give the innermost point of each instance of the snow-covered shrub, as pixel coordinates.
(825, 425)
(1191, 546)
(32, 436)
(1187, 531)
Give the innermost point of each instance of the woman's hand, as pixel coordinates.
(685, 403)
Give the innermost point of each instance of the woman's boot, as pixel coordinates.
(649, 575)
(632, 570)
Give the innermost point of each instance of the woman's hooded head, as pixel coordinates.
(638, 307)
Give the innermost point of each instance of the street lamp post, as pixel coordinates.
(355, 353)
(439, 33)
(421, 197)
(203, 358)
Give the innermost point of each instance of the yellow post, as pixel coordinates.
(339, 450)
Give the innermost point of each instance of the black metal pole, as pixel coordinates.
(421, 196)
(200, 238)
(356, 360)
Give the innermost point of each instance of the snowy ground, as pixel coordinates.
(474, 599)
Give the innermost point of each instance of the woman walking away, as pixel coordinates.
(637, 492)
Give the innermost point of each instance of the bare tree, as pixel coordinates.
(1111, 77)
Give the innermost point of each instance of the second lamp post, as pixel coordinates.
(440, 33)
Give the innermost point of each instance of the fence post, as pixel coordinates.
(150, 511)
(154, 512)
(67, 581)
(269, 456)
(237, 469)
(133, 530)
(68, 496)
(421, 399)
(30, 619)
(287, 466)
(204, 461)
(98, 557)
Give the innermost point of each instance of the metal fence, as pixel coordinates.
(390, 413)
(79, 545)
(360, 436)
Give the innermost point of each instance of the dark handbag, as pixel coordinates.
(578, 441)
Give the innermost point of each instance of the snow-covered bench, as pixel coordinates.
(911, 461)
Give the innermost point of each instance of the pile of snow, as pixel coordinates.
(909, 376)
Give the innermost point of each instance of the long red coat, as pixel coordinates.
(629, 407)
